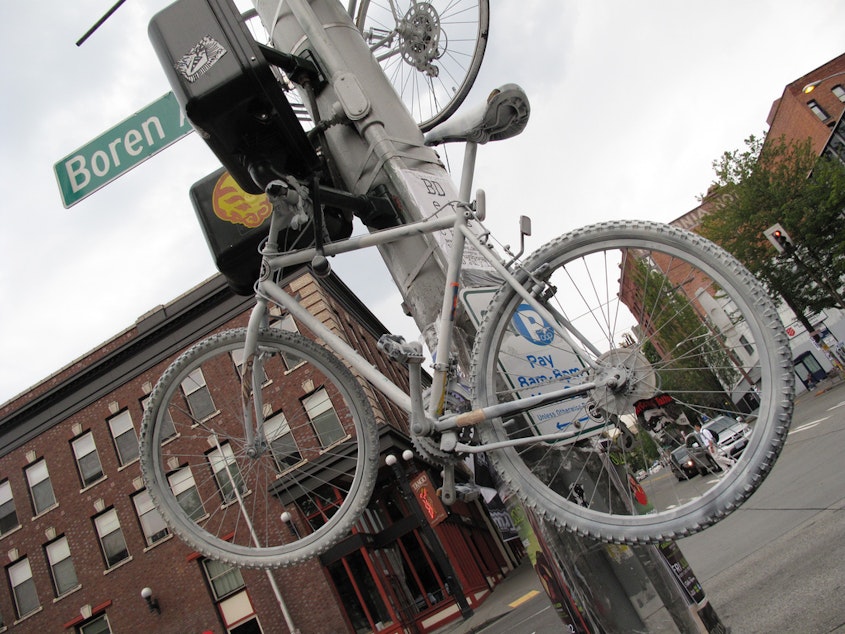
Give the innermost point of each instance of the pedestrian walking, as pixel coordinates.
(710, 444)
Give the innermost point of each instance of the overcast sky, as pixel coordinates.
(631, 104)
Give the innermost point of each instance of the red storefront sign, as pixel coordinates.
(426, 495)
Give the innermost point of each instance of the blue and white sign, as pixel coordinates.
(533, 360)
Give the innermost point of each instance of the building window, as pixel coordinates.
(818, 110)
(23, 588)
(151, 521)
(198, 396)
(224, 578)
(238, 360)
(185, 489)
(746, 344)
(168, 429)
(40, 487)
(97, 625)
(8, 515)
(281, 441)
(839, 92)
(111, 538)
(226, 472)
(286, 322)
(61, 566)
(323, 417)
(125, 439)
(87, 459)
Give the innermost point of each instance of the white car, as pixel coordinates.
(732, 434)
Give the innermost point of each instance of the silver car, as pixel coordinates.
(733, 434)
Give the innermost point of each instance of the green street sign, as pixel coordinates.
(121, 148)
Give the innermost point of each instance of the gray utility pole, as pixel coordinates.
(385, 148)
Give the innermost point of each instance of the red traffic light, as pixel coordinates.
(779, 238)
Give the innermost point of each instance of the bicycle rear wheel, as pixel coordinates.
(694, 338)
(254, 503)
(430, 51)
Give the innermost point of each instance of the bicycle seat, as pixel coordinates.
(503, 115)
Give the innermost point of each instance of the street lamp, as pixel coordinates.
(152, 602)
(814, 84)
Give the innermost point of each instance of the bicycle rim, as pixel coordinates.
(254, 504)
(430, 51)
(695, 337)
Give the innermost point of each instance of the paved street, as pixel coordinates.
(775, 565)
(778, 563)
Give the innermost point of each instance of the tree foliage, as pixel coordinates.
(679, 345)
(787, 183)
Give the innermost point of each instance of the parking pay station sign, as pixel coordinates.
(534, 360)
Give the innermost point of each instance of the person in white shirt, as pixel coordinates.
(712, 446)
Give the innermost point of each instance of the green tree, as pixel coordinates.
(783, 182)
(679, 344)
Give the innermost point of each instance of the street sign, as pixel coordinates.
(535, 362)
(121, 148)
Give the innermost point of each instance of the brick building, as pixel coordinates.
(811, 107)
(81, 539)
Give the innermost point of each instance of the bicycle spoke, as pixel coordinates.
(675, 333)
(313, 458)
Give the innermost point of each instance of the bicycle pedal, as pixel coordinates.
(395, 347)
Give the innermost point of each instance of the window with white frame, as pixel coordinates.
(111, 538)
(87, 459)
(286, 322)
(168, 429)
(152, 523)
(746, 344)
(23, 588)
(224, 578)
(281, 441)
(185, 489)
(323, 417)
(198, 396)
(98, 625)
(40, 487)
(8, 513)
(226, 472)
(839, 92)
(818, 110)
(238, 360)
(124, 436)
(61, 566)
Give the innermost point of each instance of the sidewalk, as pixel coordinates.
(825, 385)
(521, 584)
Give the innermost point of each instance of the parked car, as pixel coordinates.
(733, 435)
(692, 459)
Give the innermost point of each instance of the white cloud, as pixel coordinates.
(631, 102)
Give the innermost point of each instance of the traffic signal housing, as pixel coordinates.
(779, 238)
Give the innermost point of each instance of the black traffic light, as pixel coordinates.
(779, 238)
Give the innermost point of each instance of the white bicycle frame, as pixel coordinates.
(422, 425)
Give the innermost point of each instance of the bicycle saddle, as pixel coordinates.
(503, 115)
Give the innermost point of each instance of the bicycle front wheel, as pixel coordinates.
(430, 51)
(674, 332)
(276, 497)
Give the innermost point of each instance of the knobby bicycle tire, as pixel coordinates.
(699, 339)
(259, 505)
